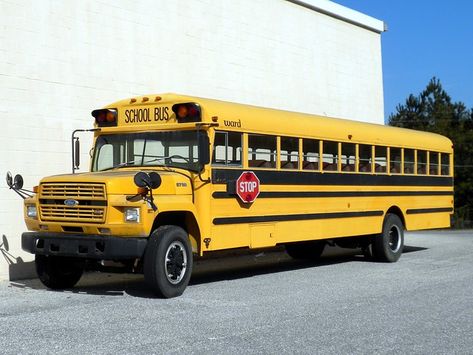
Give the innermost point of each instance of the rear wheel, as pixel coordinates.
(311, 250)
(168, 261)
(389, 244)
(58, 272)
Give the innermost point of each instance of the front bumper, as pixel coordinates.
(87, 246)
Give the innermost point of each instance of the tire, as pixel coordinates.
(387, 246)
(311, 250)
(168, 261)
(57, 272)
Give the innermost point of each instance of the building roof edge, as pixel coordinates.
(343, 13)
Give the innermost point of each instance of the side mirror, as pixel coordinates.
(9, 179)
(204, 148)
(5, 243)
(151, 180)
(75, 146)
(142, 179)
(155, 180)
(18, 182)
(77, 153)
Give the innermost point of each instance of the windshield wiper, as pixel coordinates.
(128, 163)
(153, 160)
(169, 163)
(121, 165)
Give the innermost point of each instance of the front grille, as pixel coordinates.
(89, 202)
(71, 190)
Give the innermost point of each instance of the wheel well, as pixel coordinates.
(397, 211)
(184, 219)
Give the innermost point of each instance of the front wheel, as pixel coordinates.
(168, 261)
(388, 245)
(58, 272)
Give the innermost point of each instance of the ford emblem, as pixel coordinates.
(71, 203)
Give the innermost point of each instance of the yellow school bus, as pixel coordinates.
(174, 176)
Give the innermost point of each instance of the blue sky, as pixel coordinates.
(425, 38)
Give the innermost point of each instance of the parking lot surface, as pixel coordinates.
(261, 303)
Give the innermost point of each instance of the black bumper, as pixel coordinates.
(84, 245)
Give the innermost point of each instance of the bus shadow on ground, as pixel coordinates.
(236, 265)
(271, 262)
(410, 249)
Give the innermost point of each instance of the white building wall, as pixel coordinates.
(59, 59)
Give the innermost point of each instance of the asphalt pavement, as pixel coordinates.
(261, 302)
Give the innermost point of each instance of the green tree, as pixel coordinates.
(433, 110)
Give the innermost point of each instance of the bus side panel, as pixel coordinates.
(428, 212)
(327, 229)
(269, 221)
(229, 236)
(427, 221)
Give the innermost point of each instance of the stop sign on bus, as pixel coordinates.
(247, 187)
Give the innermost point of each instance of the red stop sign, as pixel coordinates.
(247, 187)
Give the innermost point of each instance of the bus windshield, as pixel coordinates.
(171, 149)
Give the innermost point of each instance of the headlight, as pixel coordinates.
(31, 211)
(132, 214)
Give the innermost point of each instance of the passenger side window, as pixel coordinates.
(330, 156)
(311, 156)
(445, 164)
(408, 161)
(261, 151)
(227, 149)
(421, 162)
(348, 156)
(364, 152)
(380, 159)
(433, 163)
(289, 153)
(395, 160)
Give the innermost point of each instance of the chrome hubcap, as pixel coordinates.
(394, 239)
(175, 262)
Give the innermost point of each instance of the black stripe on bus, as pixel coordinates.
(294, 217)
(267, 177)
(429, 210)
(302, 194)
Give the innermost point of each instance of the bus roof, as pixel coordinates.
(247, 118)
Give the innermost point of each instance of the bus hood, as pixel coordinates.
(121, 182)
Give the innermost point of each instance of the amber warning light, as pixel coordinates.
(187, 112)
(105, 117)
